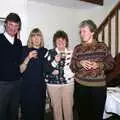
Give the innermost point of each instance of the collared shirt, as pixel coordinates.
(58, 52)
(9, 38)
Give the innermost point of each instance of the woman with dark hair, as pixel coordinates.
(33, 67)
(90, 60)
(60, 87)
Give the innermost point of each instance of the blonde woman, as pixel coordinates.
(33, 90)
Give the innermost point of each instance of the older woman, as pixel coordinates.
(91, 59)
(60, 87)
(33, 90)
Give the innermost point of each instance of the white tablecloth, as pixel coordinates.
(112, 102)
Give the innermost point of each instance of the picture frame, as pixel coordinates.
(2, 20)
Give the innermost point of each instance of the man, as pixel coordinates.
(10, 52)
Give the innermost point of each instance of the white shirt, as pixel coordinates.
(9, 38)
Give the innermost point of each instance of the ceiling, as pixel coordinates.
(77, 4)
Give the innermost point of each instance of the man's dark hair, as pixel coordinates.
(14, 18)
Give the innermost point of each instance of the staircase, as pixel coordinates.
(109, 30)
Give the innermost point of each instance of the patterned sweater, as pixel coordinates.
(65, 75)
(97, 52)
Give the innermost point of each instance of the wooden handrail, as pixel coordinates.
(109, 29)
(110, 15)
(107, 23)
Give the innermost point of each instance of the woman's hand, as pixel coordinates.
(95, 65)
(32, 54)
(57, 58)
(55, 72)
(86, 64)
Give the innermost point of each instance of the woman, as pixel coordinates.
(91, 59)
(33, 67)
(60, 87)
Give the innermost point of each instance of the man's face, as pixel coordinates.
(12, 28)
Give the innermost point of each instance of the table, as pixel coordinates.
(112, 104)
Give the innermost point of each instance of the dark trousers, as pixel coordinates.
(33, 102)
(89, 102)
(9, 100)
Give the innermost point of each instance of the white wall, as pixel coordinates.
(18, 6)
(50, 18)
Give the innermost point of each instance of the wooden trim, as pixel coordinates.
(103, 34)
(2, 18)
(109, 33)
(98, 2)
(116, 31)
